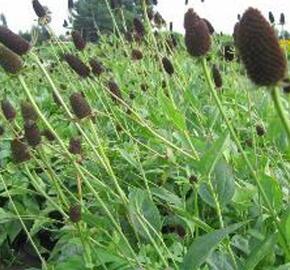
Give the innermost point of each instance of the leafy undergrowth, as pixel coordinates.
(160, 181)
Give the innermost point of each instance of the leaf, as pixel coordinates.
(273, 191)
(172, 113)
(167, 196)
(223, 185)
(74, 262)
(141, 204)
(203, 245)
(5, 216)
(259, 252)
(212, 155)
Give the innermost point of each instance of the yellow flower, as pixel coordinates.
(285, 43)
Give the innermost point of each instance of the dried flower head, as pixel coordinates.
(139, 27)
(70, 4)
(77, 65)
(282, 19)
(80, 106)
(197, 37)
(259, 49)
(32, 133)
(13, 41)
(271, 17)
(229, 52)
(167, 65)
(8, 110)
(75, 213)
(75, 146)
(28, 112)
(114, 90)
(97, 67)
(217, 77)
(38, 9)
(10, 61)
(260, 130)
(78, 40)
(20, 151)
(136, 54)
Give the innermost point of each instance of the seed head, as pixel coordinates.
(78, 40)
(75, 146)
(136, 54)
(8, 110)
(114, 90)
(259, 49)
(20, 151)
(38, 9)
(271, 17)
(77, 65)
(282, 19)
(80, 106)
(10, 61)
(14, 42)
(139, 27)
(229, 53)
(70, 4)
(167, 65)
(197, 37)
(217, 77)
(260, 130)
(75, 213)
(97, 67)
(32, 133)
(28, 112)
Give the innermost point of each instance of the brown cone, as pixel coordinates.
(28, 112)
(139, 27)
(97, 67)
(217, 77)
(10, 61)
(32, 133)
(75, 146)
(114, 90)
(78, 40)
(8, 110)
(259, 49)
(77, 65)
(38, 9)
(20, 152)
(75, 213)
(167, 65)
(14, 42)
(80, 106)
(136, 54)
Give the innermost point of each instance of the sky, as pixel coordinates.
(221, 13)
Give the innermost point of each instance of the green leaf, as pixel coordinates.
(203, 245)
(172, 113)
(273, 191)
(223, 185)
(141, 204)
(74, 263)
(259, 252)
(5, 216)
(212, 155)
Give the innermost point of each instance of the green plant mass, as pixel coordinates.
(147, 149)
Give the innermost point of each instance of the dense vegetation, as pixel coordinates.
(142, 157)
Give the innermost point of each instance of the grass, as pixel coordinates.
(178, 176)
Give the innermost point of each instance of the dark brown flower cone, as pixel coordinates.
(70, 4)
(271, 17)
(260, 130)
(78, 40)
(259, 49)
(114, 90)
(77, 65)
(28, 112)
(209, 26)
(97, 67)
(32, 133)
(10, 61)
(75, 213)
(8, 110)
(80, 106)
(197, 40)
(229, 53)
(38, 9)
(217, 77)
(197, 36)
(139, 27)
(282, 19)
(167, 65)
(20, 151)
(136, 54)
(171, 26)
(48, 135)
(75, 146)
(14, 42)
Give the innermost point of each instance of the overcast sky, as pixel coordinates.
(222, 13)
